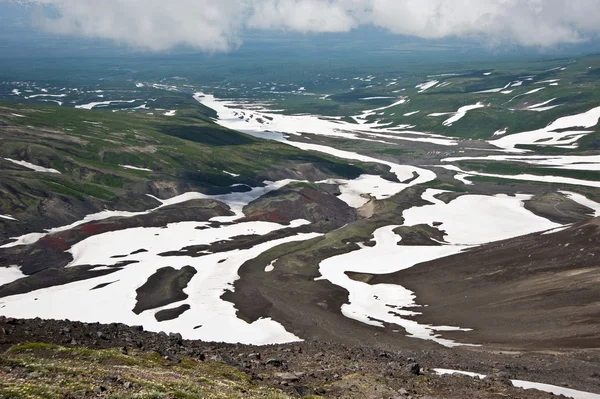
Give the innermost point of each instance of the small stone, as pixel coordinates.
(413, 368)
(128, 385)
(99, 389)
(176, 337)
(173, 359)
(288, 377)
(275, 362)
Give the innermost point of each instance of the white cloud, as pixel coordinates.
(218, 25)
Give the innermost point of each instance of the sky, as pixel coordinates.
(223, 25)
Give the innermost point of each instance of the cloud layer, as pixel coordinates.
(218, 25)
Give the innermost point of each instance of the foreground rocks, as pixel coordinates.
(297, 370)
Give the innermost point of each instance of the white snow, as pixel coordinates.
(411, 113)
(270, 267)
(524, 94)
(357, 192)
(461, 177)
(231, 174)
(97, 104)
(45, 95)
(170, 113)
(458, 115)
(427, 85)
(573, 162)
(496, 90)
(18, 115)
(16, 92)
(236, 202)
(547, 136)
(462, 111)
(7, 217)
(375, 98)
(553, 389)
(10, 274)
(373, 304)
(529, 177)
(542, 109)
(276, 126)
(216, 274)
(33, 167)
(581, 199)
(541, 104)
(135, 168)
(468, 218)
(487, 73)
(501, 132)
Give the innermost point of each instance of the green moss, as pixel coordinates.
(55, 372)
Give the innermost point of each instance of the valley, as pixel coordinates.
(452, 213)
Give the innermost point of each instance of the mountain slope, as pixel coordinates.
(536, 291)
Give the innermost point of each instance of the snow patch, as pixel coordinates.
(553, 389)
(548, 136)
(135, 168)
(427, 85)
(33, 167)
(458, 115)
(9, 274)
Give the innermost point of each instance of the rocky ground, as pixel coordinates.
(536, 291)
(118, 361)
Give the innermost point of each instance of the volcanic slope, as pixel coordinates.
(535, 291)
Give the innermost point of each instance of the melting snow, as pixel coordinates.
(97, 104)
(274, 126)
(501, 132)
(10, 274)
(467, 222)
(427, 85)
(236, 201)
(529, 177)
(458, 115)
(548, 136)
(357, 192)
(135, 168)
(385, 303)
(33, 167)
(553, 389)
(215, 275)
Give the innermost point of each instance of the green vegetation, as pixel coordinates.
(45, 371)
(503, 168)
(89, 148)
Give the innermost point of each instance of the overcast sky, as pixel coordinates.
(219, 25)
